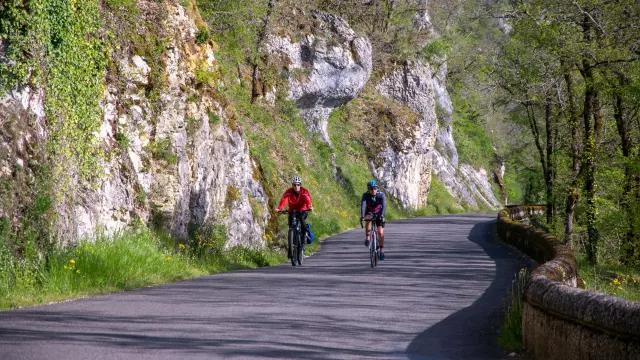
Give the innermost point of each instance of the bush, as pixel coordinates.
(161, 150)
(203, 35)
(213, 117)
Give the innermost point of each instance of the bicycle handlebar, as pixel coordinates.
(372, 219)
(293, 211)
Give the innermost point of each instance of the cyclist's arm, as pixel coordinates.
(384, 204)
(308, 201)
(363, 205)
(284, 201)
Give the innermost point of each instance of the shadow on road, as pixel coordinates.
(471, 333)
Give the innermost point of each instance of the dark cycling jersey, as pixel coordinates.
(376, 204)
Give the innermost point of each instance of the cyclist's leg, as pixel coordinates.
(367, 229)
(380, 229)
(303, 218)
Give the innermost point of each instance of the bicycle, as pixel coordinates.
(374, 249)
(295, 237)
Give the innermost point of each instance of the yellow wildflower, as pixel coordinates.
(72, 261)
(131, 268)
(619, 287)
(181, 246)
(615, 281)
(168, 258)
(78, 271)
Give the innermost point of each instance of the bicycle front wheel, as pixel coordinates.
(372, 250)
(292, 249)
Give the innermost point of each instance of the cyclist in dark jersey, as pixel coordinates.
(373, 206)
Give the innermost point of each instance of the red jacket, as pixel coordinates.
(300, 202)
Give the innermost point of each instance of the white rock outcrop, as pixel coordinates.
(464, 182)
(324, 71)
(406, 174)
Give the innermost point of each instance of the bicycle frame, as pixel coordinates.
(374, 250)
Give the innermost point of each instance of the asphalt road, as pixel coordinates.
(438, 295)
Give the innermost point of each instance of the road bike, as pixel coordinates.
(295, 237)
(374, 249)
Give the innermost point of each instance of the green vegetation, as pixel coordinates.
(203, 35)
(510, 336)
(162, 150)
(470, 134)
(213, 118)
(576, 77)
(617, 280)
(130, 260)
(57, 45)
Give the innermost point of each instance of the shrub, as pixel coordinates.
(213, 118)
(122, 140)
(203, 35)
(161, 150)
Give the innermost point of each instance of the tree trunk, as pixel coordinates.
(573, 193)
(256, 88)
(533, 124)
(589, 167)
(622, 123)
(590, 95)
(548, 173)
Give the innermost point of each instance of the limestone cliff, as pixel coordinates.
(178, 161)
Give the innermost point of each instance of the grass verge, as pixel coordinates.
(130, 260)
(617, 280)
(510, 336)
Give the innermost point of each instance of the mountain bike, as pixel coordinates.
(374, 249)
(295, 236)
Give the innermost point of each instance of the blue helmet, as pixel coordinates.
(372, 184)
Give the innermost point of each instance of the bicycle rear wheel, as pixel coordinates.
(299, 248)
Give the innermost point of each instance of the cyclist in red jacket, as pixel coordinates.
(297, 198)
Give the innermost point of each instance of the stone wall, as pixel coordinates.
(560, 320)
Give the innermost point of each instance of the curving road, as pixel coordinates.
(437, 296)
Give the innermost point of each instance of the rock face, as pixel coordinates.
(185, 165)
(324, 72)
(406, 174)
(461, 180)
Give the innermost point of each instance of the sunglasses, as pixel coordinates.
(294, 184)
(373, 188)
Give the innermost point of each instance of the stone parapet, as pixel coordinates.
(560, 320)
